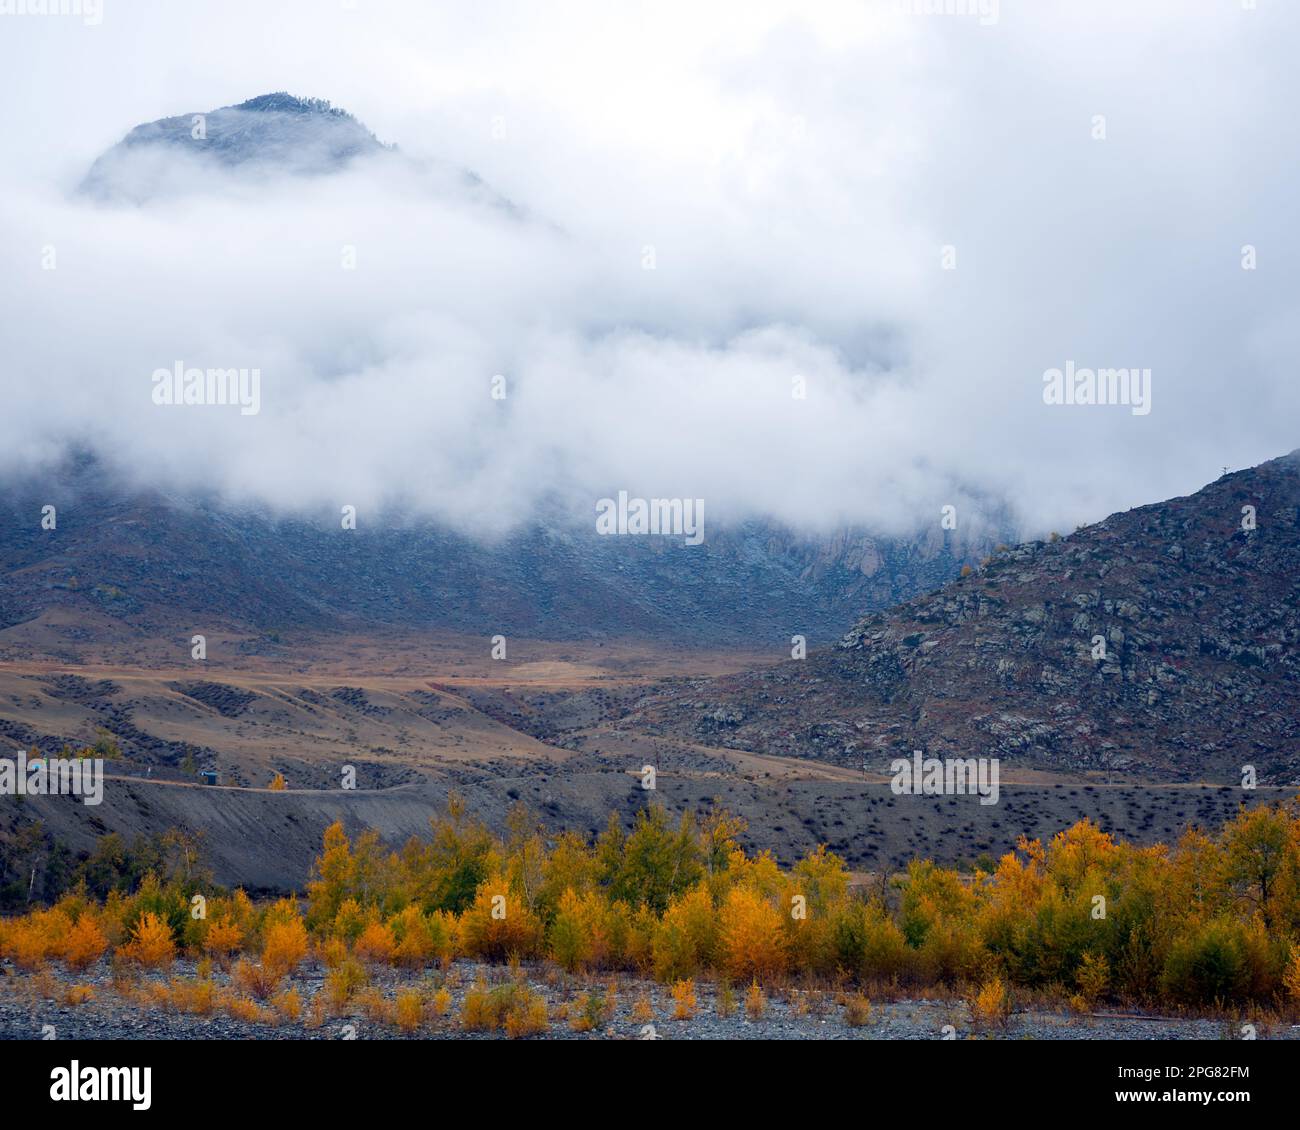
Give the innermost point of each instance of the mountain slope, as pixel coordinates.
(164, 565)
(1200, 673)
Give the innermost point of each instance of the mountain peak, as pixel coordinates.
(271, 133)
(287, 103)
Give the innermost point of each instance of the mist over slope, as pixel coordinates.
(164, 564)
(617, 263)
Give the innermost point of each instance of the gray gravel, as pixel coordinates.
(25, 1011)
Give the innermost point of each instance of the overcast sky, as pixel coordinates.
(798, 170)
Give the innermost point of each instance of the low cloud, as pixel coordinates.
(796, 227)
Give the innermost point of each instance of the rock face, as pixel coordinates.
(1161, 641)
(245, 148)
(160, 564)
(271, 133)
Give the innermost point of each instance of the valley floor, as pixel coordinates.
(417, 718)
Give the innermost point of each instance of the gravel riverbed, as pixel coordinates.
(32, 1004)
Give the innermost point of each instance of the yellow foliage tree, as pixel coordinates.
(85, 943)
(376, 944)
(222, 939)
(753, 937)
(284, 945)
(151, 943)
(499, 925)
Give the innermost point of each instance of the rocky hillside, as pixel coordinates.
(168, 566)
(1160, 641)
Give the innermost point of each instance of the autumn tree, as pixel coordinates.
(753, 941)
(1260, 860)
(652, 864)
(444, 872)
(363, 872)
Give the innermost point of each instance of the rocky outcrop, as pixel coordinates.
(1160, 641)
